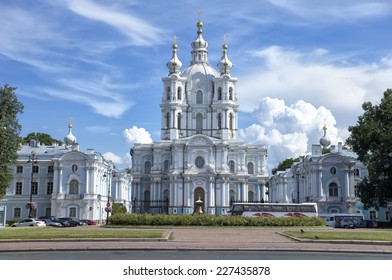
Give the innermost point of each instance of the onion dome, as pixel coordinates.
(199, 52)
(70, 138)
(225, 64)
(174, 64)
(324, 141)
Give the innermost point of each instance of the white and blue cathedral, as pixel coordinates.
(198, 160)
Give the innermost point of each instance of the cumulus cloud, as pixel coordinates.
(316, 77)
(137, 135)
(114, 158)
(289, 130)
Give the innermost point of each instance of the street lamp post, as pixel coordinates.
(108, 207)
(33, 160)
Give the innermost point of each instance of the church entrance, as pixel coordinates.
(199, 194)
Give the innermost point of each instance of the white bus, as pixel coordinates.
(274, 209)
(331, 218)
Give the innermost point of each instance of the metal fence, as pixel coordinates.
(150, 206)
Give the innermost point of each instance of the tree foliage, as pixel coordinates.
(42, 138)
(286, 164)
(371, 140)
(10, 129)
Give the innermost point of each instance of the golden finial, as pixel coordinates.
(70, 121)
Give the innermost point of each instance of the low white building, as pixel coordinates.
(329, 179)
(62, 181)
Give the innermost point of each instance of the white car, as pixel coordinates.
(30, 223)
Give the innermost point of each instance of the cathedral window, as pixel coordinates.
(147, 167)
(231, 93)
(17, 213)
(35, 169)
(72, 212)
(179, 121)
(199, 162)
(167, 120)
(232, 166)
(199, 123)
(18, 189)
(372, 215)
(179, 93)
(250, 168)
(333, 190)
(333, 170)
(219, 121)
(49, 188)
(219, 93)
(34, 188)
(199, 97)
(166, 165)
(74, 168)
(73, 187)
(168, 93)
(251, 196)
(231, 121)
(19, 169)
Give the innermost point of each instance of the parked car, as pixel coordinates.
(72, 222)
(89, 222)
(30, 223)
(52, 223)
(367, 224)
(345, 223)
(64, 223)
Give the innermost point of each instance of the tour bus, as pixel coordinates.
(274, 209)
(331, 218)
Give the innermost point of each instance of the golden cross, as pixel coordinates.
(175, 38)
(199, 15)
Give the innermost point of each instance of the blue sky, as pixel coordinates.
(300, 63)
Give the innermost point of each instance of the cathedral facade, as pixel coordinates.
(198, 161)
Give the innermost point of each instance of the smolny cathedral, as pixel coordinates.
(199, 161)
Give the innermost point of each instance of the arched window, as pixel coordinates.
(219, 121)
(167, 120)
(231, 121)
(73, 187)
(251, 196)
(232, 195)
(199, 97)
(230, 93)
(166, 166)
(168, 93)
(219, 93)
(232, 166)
(199, 123)
(179, 120)
(147, 167)
(372, 215)
(179, 93)
(333, 190)
(250, 168)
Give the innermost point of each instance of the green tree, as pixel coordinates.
(42, 138)
(371, 140)
(10, 129)
(286, 164)
(118, 208)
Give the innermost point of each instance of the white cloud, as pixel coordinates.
(114, 158)
(315, 77)
(139, 31)
(137, 135)
(289, 130)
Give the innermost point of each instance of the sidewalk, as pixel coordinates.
(205, 238)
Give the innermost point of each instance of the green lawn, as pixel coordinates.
(343, 235)
(64, 233)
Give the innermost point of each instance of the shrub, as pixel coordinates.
(211, 220)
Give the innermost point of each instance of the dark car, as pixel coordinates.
(89, 222)
(367, 224)
(345, 223)
(64, 223)
(72, 222)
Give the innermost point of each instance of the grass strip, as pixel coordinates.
(35, 233)
(343, 235)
